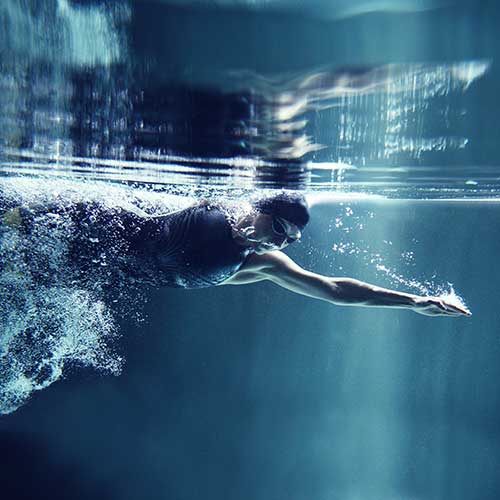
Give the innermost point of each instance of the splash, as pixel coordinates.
(47, 320)
(422, 288)
(44, 330)
(51, 317)
(451, 297)
(425, 288)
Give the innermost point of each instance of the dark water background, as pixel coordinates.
(253, 392)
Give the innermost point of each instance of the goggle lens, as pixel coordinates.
(279, 227)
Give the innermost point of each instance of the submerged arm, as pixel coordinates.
(280, 269)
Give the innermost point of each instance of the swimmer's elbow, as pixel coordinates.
(284, 272)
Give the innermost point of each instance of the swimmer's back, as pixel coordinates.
(195, 248)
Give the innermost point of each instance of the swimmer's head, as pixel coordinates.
(276, 222)
(291, 207)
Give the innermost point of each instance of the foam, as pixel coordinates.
(49, 319)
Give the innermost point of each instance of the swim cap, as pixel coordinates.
(289, 206)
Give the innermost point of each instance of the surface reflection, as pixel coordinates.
(84, 92)
(337, 126)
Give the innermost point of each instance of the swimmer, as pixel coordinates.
(202, 246)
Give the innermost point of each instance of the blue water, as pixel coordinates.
(385, 116)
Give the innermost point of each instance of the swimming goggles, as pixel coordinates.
(282, 227)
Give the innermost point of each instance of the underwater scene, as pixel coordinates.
(248, 249)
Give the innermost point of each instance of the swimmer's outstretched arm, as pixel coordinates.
(280, 269)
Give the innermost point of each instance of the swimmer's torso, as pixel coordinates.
(192, 248)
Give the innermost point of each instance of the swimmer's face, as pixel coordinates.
(273, 233)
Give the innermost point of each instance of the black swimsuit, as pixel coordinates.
(193, 248)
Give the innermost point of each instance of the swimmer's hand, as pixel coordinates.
(438, 306)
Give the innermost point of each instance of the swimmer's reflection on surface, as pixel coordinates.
(203, 246)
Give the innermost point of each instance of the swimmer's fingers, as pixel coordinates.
(435, 306)
(457, 309)
(448, 309)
